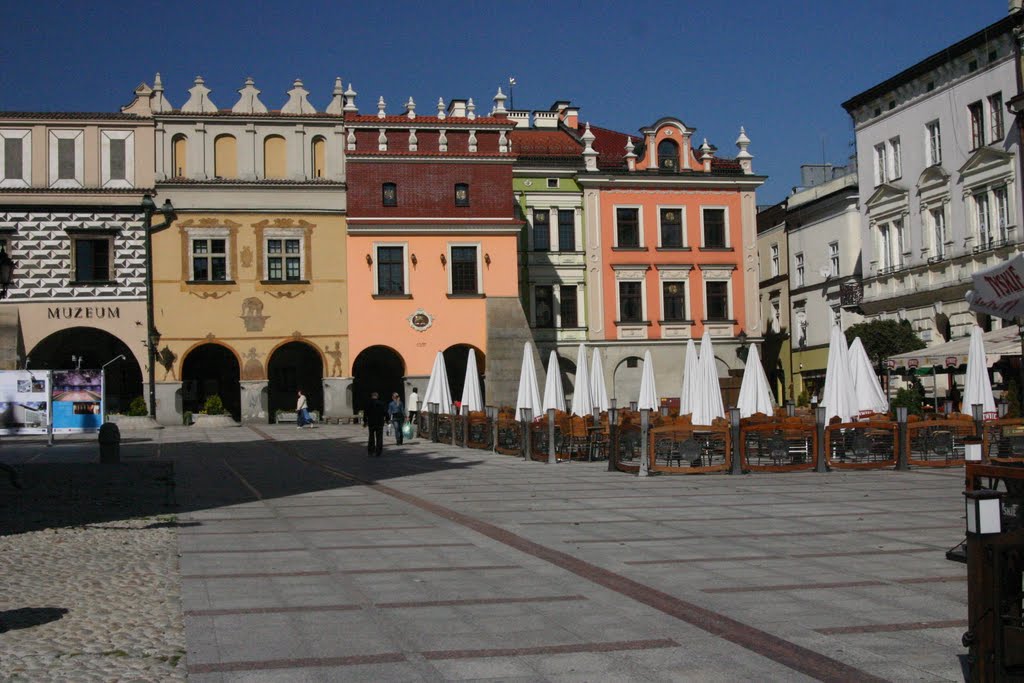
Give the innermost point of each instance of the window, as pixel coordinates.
(15, 163)
(775, 325)
(275, 157)
(714, 228)
(880, 164)
(66, 158)
(895, 159)
(92, 259)
(799, 261)
(541, 230)
(976, 114)
(995, 108)
(884, 248)
(674, 297)
(671, 228)
(897, 227)
(981, 212)
(284, 259)
(464, 270)
(668, 155)
(209, 260)
(1002, 212)
(318, 157)
(225, 156)
(543, 306)
(552, 183)
(461, 194)
(627, 228)
(179, 155)
(390, 270)
(933, 143)
(833, 258)
(389, 194)
(568, 306)
(938, 232)
(630, 302)
(718, 300)
(775, 260)
(566, 230)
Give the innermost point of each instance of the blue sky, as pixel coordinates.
(780, 68)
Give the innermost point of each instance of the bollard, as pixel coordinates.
(734, 433)
(901, 439)
(110, 443)
(820, 419)
(552, 454)
(645, 426)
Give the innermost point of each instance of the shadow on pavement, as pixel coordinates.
(27, 617)
(196, 475)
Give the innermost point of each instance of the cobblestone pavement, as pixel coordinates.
(300, 559)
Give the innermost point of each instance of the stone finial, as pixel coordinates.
(199, 99)
(440, 109)
(298, 100)
(630, 154)
(381, 108)
(410, 108)
(472, 139)
(414, 142)
(350, 100)
(743, 156)
(442, 141)
(470, 110)
(503, 147)
(589, 153)
(249, 100)
(499, 104)
(337, 105)
(350, 141)
(382, 141)
(158, 103)
(706, 155)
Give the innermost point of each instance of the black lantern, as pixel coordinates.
(743, 349)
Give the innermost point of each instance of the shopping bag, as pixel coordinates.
(407, 429)
(387, 428)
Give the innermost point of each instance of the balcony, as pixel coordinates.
(991, 245)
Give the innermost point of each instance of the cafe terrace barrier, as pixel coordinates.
(938, 442)
(1003, 441)
(779, 444)
(479, 433)
(864, 445)
(445, 428)
(510, 434)
(677, 446)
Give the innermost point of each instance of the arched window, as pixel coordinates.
(668, 155)
(318, 157)
(225, 156)
(274, 157)
(461, 194)
(179, 152)
(389, 194)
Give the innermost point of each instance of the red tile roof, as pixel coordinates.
(354, 156)
(543, 143)
(429, 120)
(611, 146)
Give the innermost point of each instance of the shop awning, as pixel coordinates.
(998, 343)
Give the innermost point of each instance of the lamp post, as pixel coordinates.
(492, 419)
(744, 346)
(152, 336)
(901, 436)
(734, 432)
(526, 417)
(432, 408)
(979, 419)
(613, 447)
(820, 418)
(552, 453)
(984, 519)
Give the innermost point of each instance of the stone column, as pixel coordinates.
(254, 401)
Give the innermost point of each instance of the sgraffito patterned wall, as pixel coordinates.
(40, 244)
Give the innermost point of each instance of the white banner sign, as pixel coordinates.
(999, 291)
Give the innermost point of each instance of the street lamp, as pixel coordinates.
(152, 336)
(743, 349)
(6, 272)
(984, 511)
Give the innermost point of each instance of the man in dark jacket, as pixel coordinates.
(374, 414)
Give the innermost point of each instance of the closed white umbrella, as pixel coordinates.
(707, 393)
(529, 396)
(755, 392)
(582, 404)
(598, 389)
(648, 390)
(438, 390)
(472, 397)
(838, 396)
(867, 389)
(977, 387)
(554, 395)
(689, 373)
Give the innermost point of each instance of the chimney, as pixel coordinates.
(457, 109)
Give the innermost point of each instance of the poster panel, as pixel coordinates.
(77, 396)
(24, 401)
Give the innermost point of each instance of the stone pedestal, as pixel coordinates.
(254, 400)
(168, 402)
(337, 397)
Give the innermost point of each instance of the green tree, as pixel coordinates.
(884, 338)
(214, 406)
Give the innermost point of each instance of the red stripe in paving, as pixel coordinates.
(794, 587)
(413, 604)
(266, 664)
(269, 610)
(886, 628)
(391, 546)
(254, 551)
(689, 560)
(550, 649)
(934, 579)
(252, 575)
(411, 570)
(478, 601)
(760, 642)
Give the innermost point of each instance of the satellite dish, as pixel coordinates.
(825, 271)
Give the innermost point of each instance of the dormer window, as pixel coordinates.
(668, 155)
(461, 194)
(389, 194)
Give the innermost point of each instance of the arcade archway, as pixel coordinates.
(293, 366)
(208, 370)
(95, 347)
(455, 360)
(376, 368)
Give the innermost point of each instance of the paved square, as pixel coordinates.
(302, 559)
